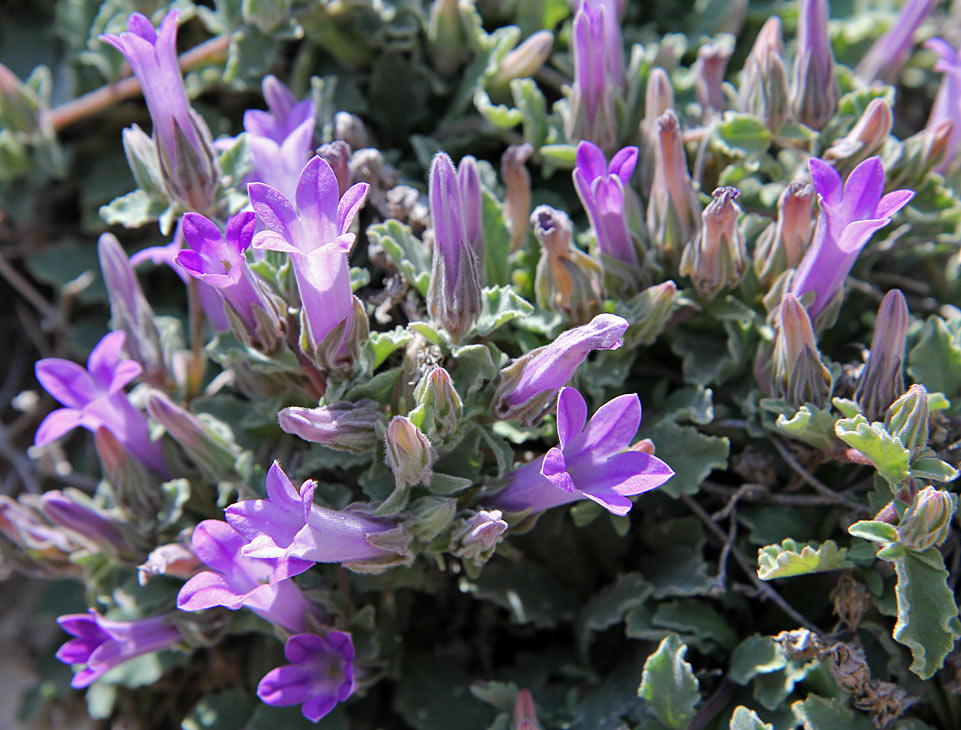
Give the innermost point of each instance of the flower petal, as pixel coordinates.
(66, 381)
(892, 203)
(862, 190)
(317, 194)
(571, 414)
(56, 424)
(273, 209)
(350, 203)
(590, 160)
(612, 427)
(623, 163)
(827, 181)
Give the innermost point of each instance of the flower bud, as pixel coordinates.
(568, 280)
(591, 97)
(73, 511)
(781, 245)
(142, 159)
(658, 98)
(717, 258)
(175, 559)
(525, 60)
(907, 419)
(454, 294)
(410, 454)
(343, 426)
(927, 521)
(673, 211)
(709, 77)
(130, 311)
(439, 404)
(887, 56)
(517, 198)
(881, 380)
(337, 155)
(865, 139)
(763, 91)
(799, 375)
(814, 88)
(472, 205)
(921, 153)
(525, 714)
(649, 312)
(475, 538)
(211, 452)
(448, 35)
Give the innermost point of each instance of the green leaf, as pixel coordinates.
(927, 614)
(434, 694)
(744, 134)
(669, 685)
(884, 451)
(610, 604)
(497, 241)
(745, 719)
(471, 367)
(132, 210)
(222, 711)
(691, 454)
(499, 305)
(819, 713)
(500, 115)
(559, 155)
(675, 562)
(810, 424)
(382, 344)
(533, 107)
(928, 466)
(409, 254)
(875, 531)
(787, 560)
(755, 655)
(695, 618)
(936, 360)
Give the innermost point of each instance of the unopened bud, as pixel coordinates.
(210, 451)
(907, 419)
(763, 91)
(717, 258)
(885, 59)
(927, 521)
(649, 312)
(709, 77)
(517, 200)
(658, 98)
(881, 380)
(814, 88)
(799, 375)
(921, 153)
(72, 509)
(440, 405)
(865, 139)
(782, 244)
(410, 454)
(673, 212)
(337, 155)
(448, 34)
(174, 559)
(343, 426)
(475, 538)
(525, 60)
(525, 714)
(591, 97)
(568, 280)
(472, 206)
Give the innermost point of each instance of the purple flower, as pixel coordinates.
(472, 204)
(613, 41)
(289, 527)
(315, 235)
(281, 139)
(70, 512)
(454, 295)
(102, 644)
(889, 53)
(592, 462)
(320, 674)
(601, 188)
(237, 581)
(94, 397)
(529, 384)
(183, 147)
(850, 215)
(223, 265)
(947, 105)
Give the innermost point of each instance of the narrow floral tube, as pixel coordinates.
(592, 461)
(94, 397)
(887, 56)
(101, 644)
(591, 99)
(320, 674)
(851, 212)
(947, 104)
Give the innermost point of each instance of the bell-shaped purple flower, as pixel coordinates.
(102, 644)
(593, 461)
(320, 674)
(289, 527)
(528, 385)
(220, 261)
(602, 188)
(316, 237)
(94, 398)
(850, 214)
(183, 145)
(947, 104)
(237, 581)
(281, 139)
